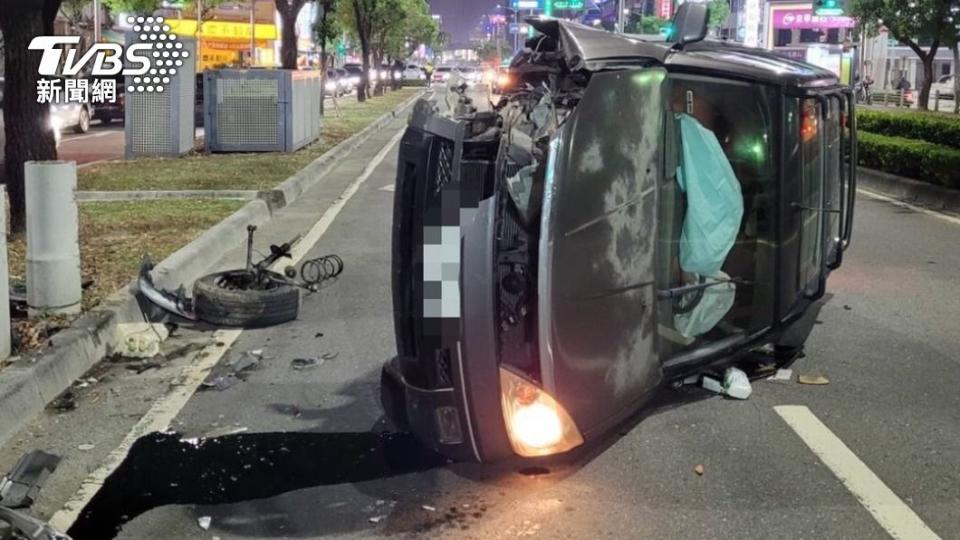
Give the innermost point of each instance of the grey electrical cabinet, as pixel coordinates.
(161, 124)
(260, 110)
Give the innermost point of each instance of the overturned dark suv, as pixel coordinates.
(630, 213)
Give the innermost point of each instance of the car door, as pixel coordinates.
(597, 297)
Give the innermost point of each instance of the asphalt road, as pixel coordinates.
(311, 463)
(100, 143)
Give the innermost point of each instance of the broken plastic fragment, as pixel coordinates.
(429, 508)
(698, 469)
(305, 363)
(736, 384)
(813, 379)
(204, 522)
(782, 375)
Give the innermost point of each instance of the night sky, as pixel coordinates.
(460, 16)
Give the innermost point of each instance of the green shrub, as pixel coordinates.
(930, 127)
(919, 160)
(414, 82)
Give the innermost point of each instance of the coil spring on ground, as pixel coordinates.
(315, 271)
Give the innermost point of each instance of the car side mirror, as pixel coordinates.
(689, 24)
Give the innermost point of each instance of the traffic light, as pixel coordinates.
(828, 7)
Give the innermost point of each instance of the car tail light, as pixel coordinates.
(536, 424)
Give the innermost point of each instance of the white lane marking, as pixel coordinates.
(163, 412)
(158, 418)
(389, 187)
(934, 213)
(891, 512)
(301, 248)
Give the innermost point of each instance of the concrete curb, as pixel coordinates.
(27, 386)
(908, 190)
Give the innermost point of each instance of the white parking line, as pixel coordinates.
(158, 418)
(162, 413)
(889, 511)
(934, 213)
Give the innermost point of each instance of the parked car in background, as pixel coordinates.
(345, 81)
(414, 72)
(333, 86)
(441, 74)
(355, 73)
(108, 113)
(471, 74)
(945, 86)
(70, 115)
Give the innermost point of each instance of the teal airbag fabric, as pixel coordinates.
(714, 200)
(712, 307)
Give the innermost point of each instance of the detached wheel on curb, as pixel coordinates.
(225, 299)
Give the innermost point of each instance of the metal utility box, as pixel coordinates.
(260, 110)
(161, 124)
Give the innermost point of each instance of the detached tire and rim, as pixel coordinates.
(217, 301)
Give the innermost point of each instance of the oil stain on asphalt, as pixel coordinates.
(164, 468)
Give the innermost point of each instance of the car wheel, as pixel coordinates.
(216, 301)
(83, 121)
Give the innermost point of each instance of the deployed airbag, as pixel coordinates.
(713, 305)
(714, 200)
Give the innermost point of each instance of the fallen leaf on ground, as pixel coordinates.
(813, 379)
(698, 469)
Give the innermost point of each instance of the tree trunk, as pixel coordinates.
(363, 32)
(288, 43)
(323, 60)
(955, 49)
(924, 99)
(28, 136)
(289, 9)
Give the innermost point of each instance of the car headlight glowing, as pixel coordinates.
(536, 424)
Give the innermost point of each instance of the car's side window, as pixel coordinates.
(723, 142)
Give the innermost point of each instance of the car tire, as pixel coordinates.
(216, 304)
(83, 121)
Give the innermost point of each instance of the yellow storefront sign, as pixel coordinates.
(223, 29)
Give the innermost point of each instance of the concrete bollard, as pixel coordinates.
(4, 279)
(53, 250)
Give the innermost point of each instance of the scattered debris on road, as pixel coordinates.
(240, 369)
(301, 364)
(735, 384)
(429, 508)
(66, 401)
(221, 382)
(782, 375)
(204, 522)
(86, 446)
(19, 487)
(846, 307)
(818, 380)
(224, 431)
(376, 519)
(140, 340)
(250, 297)
(699, 469)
